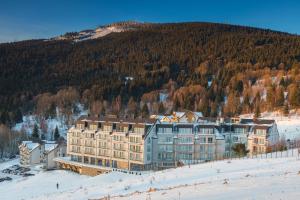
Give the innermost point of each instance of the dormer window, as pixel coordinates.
(114, 126)
(130, 127)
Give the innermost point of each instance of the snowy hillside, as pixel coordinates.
(98, 32)
(50, 124)
(272, 178)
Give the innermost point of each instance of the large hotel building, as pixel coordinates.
(101, 144)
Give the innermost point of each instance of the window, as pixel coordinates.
(130, 127)
(139, 130)
(206, 130)
(210, 149)
(164, 130)
(185, 130)
(255, 141)
(148, 157)
(235, 139)
(185, 140)
(107, 128)
(260, 131)
(202, 140)
(184, 148)
(261, 141)
(209, 140)
(80, 126)
(239, 130)
(93, 126)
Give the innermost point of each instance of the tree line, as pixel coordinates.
(213, 68)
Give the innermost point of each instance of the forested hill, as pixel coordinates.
(201, 66)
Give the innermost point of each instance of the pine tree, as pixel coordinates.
(56, 134)
(51, 111)
(176, 104)
(132, 107)
(145, 111)
(161, 108)
(35, 132)
(270, 98)
(257, 112)
(279, 97)
(240, 149)
(286, 109)
(18, 117)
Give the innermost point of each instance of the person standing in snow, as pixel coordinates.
(57, 185)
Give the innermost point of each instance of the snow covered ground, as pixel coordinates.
(30, 120)
(276, 178)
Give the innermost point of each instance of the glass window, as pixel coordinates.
(185, 130)
(164, 130)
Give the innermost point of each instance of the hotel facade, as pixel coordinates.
(100, 144)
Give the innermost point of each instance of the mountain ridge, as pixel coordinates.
(218, 60)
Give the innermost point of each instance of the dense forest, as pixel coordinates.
(217, 69)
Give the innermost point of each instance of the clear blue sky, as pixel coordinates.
(25, 19)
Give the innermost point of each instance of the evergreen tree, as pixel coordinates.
(4, 118)
(56, 134)
(51, 111)
(145, 111)
(176, 104)
(17, 117)
(286, 109)
(257, 112)
(294, 95)
(161, 108)
(279, 97)
(35, 132)
(132, 107)
(282, 82)
(270, 98)
(240, 149)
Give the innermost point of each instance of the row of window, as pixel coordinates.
(119, 154)
(134, 139)
(135, 148)
(135, 156)
(113, 127)
(185, 140)
(259, 141)
(185, 130)
(119, 146)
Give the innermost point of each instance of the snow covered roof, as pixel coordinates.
(50, 146)
(179, 114)
(30, 145)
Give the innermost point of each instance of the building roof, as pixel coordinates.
(30, 145)
(257, 121)
(115, 120)
(50, 146)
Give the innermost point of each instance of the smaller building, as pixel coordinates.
(53, 150)
(263, 138)
(43, 152)
(30, 153)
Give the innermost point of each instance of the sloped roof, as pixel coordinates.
(50, 146)
(30, 145)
